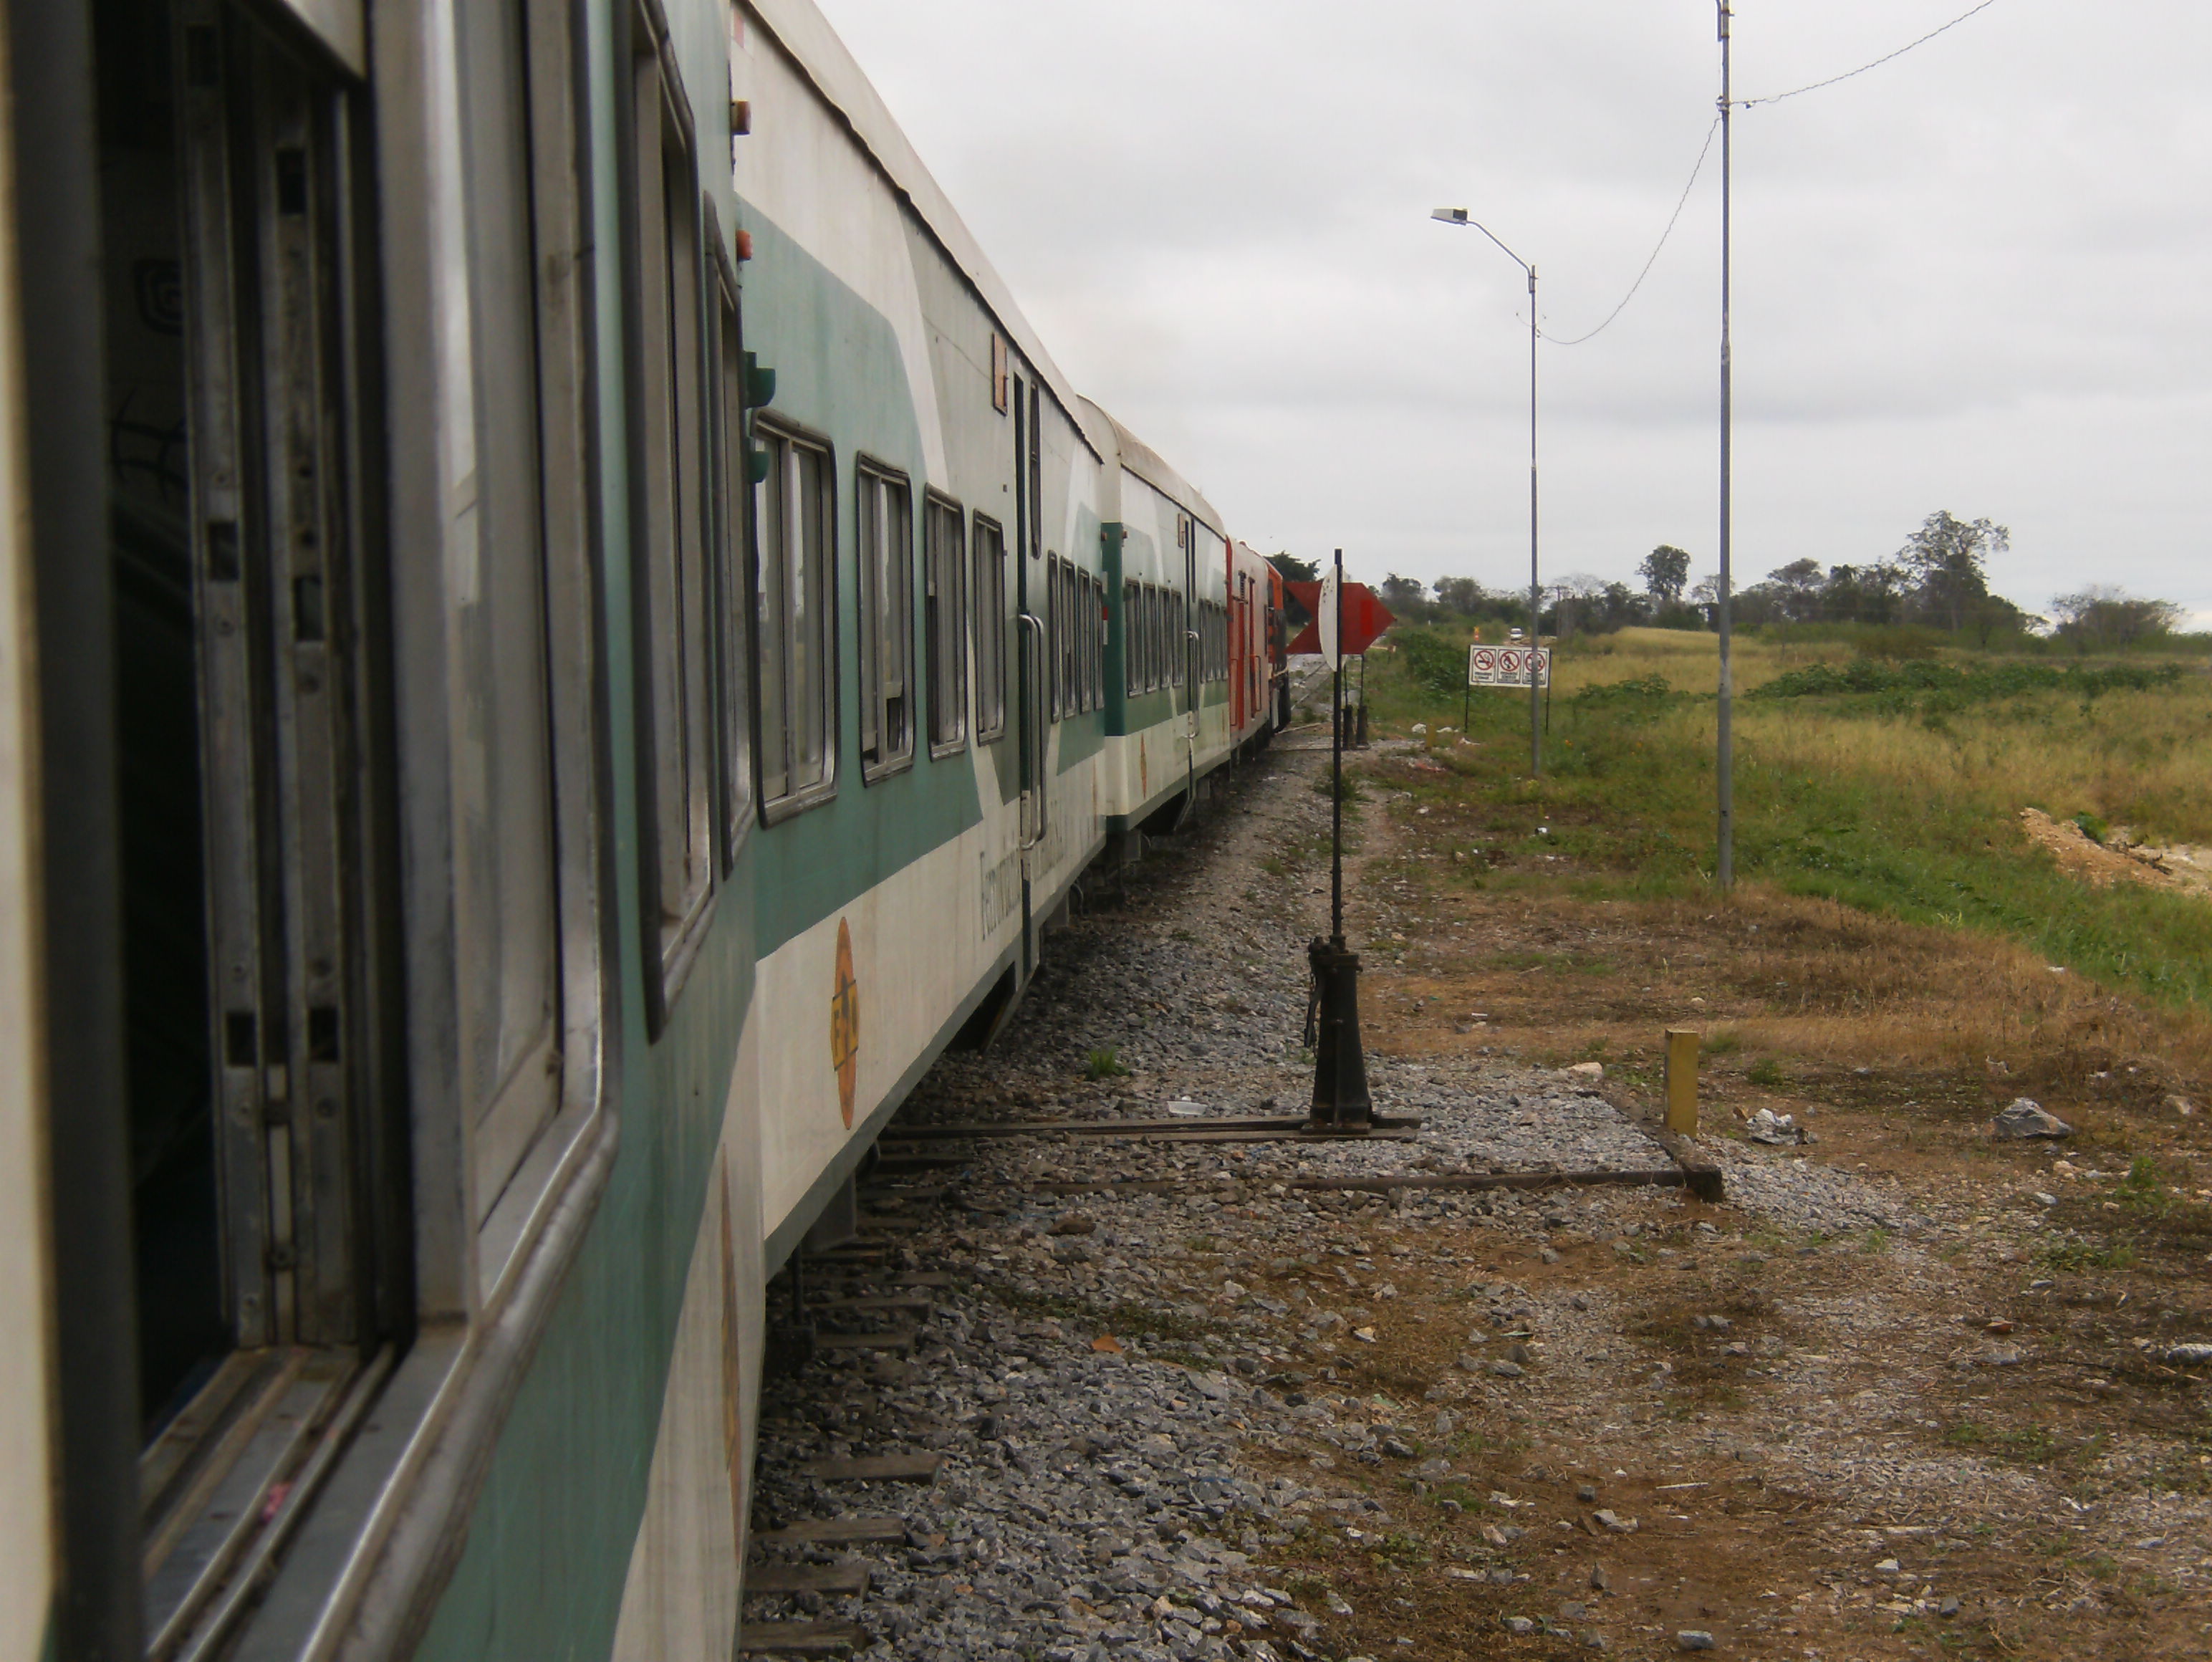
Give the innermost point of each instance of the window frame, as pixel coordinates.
(783, 439)
(879, 482)
(1053, 607)
(990, 729)
(944, 628)
(1094, 640)
(730, 553)
(671, 509)
(499, 1227)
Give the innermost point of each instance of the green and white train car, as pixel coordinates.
(560, 639)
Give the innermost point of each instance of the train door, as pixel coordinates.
(1186, 620)
(1249, 677)
(1031, 668)
(241, 516)
(1235, 633)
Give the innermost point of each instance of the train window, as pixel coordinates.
(945, 621)
(1094, 640)
(1148, 635)
(729, 529)
(1064, 617)
(505, 856)
(670, 454)
(1054, 609)
(1071, 614)
(1130, 683)
(885, 549)
(988, 547)
(796, 518)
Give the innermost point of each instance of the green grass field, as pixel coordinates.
(1892, 786)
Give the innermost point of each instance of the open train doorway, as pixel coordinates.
(240, 526)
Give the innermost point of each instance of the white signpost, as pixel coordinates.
(1508, 665)
(1331, 604)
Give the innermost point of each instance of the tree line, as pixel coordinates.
(1937, 581)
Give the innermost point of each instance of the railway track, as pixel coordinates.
(1001, 1428)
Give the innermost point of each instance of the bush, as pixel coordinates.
(1907, 682)
(1639, 692)
(1431, 662)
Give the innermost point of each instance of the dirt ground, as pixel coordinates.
(1963, 1438)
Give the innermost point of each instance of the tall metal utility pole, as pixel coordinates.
(1535, 597)
(1724, 863)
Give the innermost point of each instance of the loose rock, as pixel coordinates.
(2025, 1118)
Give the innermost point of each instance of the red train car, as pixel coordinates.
(1258, 672)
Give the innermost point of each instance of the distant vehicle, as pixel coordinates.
(1512, 634)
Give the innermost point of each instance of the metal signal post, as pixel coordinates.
(1341, 1099)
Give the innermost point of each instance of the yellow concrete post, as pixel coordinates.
(1682, 1080)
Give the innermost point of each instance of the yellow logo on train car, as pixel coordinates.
(845, 1025)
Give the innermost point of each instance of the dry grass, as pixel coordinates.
(2139, 757)
(1820, 984)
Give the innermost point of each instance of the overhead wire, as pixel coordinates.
(1745, 104)
(1776, 98)
(1680, 202)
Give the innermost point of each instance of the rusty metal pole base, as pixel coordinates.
(1341, 1106)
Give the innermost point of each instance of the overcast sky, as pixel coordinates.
(1978, 278)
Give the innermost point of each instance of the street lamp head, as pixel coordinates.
(1451, 215)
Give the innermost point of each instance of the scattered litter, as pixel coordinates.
(1767, 1126)
(1184, 1108)
(1107, 1345)
(2025, 1118)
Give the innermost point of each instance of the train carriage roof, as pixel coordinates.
(1147, 465)
(805, 35)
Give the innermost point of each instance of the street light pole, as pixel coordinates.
(1724, 768)
(1459, 216)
